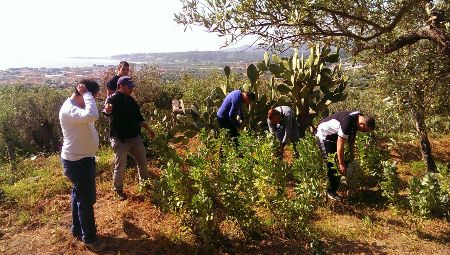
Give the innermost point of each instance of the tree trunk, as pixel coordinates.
(10, 148)
(425, 146)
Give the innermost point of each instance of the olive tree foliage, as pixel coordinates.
(383, 25)
(29, 121)
(419, 77)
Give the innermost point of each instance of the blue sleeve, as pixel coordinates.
(235, 110)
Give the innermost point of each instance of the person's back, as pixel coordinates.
(333, 132)
(230, 107)
(342, 123)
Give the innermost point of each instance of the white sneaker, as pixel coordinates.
(333, 195)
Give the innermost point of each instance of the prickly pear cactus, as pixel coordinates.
(308, 85)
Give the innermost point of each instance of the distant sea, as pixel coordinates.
(56, 63)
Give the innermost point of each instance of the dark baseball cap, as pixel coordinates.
(127, 81)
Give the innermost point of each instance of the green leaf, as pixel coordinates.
(217, 93)
(266, 58)
(276, 59)
(182, 118)
(275, 70)
(332, 58)
(285, 64)
(283, 88)
(252, 73)
(304, 92)
(227, 71)
(262, 66)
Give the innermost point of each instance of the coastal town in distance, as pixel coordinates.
(194, 62)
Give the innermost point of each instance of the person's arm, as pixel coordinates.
(234, 109)
(87, 114)
(340, 155)
(287, 129)
(142, 122)
(109, 92)
(271, 126)
(108, 107)
(150, 132)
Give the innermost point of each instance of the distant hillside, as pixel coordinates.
(216, 58)
(219, 57)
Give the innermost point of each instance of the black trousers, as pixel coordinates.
(233, 130)
(334, 177)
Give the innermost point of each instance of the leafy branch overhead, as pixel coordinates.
(367, 24)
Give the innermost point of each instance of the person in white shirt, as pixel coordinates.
(77, 116)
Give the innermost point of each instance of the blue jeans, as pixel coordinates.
(82, 175)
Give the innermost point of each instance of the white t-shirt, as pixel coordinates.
(77, 124)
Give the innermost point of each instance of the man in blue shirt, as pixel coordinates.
(231, 108)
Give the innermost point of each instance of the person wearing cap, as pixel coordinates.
(125, 133)
(77, 116)
(333, 132)
(231, 109)
(122, 70)
(282, 122)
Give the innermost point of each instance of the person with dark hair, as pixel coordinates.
(333, 132)
(282, 122)
(125, 133)
(231, 109)
(77, 116)
(122, 70)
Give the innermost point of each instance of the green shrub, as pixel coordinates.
(244, 184)
(370, 157)
(390, 183)
(430, 196)
(29, 121)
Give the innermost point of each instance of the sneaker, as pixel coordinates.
(120, 195)
(96, 246)
(333, 195)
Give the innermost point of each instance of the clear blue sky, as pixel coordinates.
(50, 29)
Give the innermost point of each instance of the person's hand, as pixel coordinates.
(343, 169)
(241, 123)
(151, 133)
(81, 88)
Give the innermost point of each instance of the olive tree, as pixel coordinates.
(367, 28)
(419, 78)
(384, 25)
